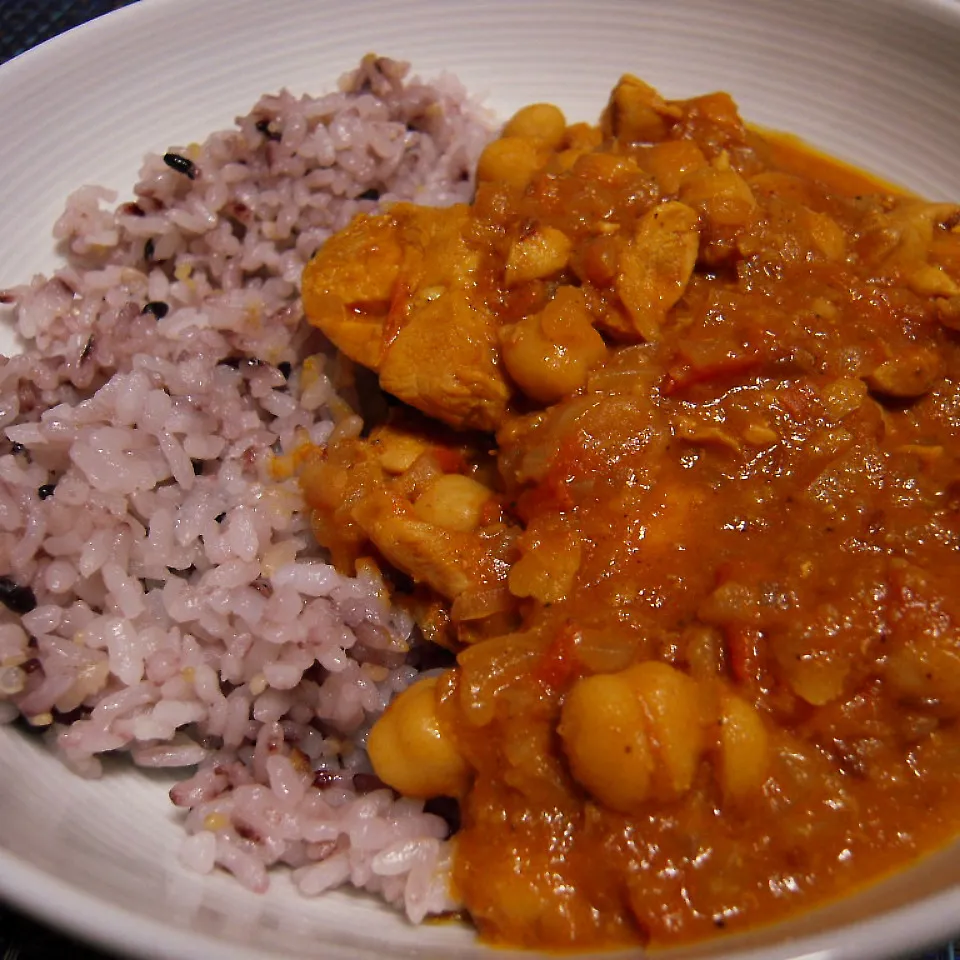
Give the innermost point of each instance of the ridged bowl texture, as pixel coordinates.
(876, 82)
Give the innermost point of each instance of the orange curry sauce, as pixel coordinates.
(707, 623)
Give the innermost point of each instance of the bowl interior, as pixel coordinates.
(874, 81)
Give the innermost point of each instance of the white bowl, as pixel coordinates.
(874, 81)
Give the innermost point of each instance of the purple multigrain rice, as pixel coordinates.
(169, 600)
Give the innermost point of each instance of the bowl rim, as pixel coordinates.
(899, 931)
(63, 905)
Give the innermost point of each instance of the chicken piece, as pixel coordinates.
(931, 280)
(444, 362)
(905, 238)
(911, 224)
(637, 113)
(398, 293)
(448, 561)
(655, 268)
(349, 285)
(401, 494)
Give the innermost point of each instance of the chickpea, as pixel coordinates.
(744, 748)
(565, 160)
(511, 160)
(547, 567)
(924, 671)
(580, 140)
(539, 121)
(607, 168)
(843, 396)
(598, 259)
(671, 161)
(539, 254)
(721, 195)
(815, 678)
(550, 353)
(397, 450)
(452, 501)
(948, 311)
(583, 137)
(633, 736)
(411, 752)
(911, 373)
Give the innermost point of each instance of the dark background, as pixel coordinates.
(24, 24)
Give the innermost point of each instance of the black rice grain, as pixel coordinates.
(263, 126)
(16, 599)
(181, 164)
(158, 308)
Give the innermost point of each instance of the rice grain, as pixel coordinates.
(162, 593)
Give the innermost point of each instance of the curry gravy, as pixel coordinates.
(700, 570)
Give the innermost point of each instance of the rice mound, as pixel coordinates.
(162, 593)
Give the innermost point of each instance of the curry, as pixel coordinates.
(674, 476)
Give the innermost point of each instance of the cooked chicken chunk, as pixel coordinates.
(402, 492)
(656, 266)
(399, 294)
